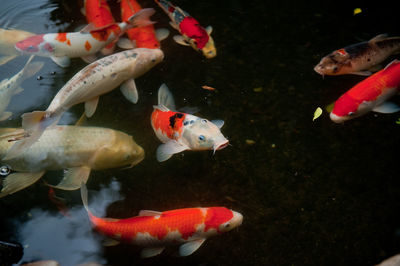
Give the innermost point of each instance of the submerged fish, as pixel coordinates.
(8, 39)
(77, 149)
(143, 37)
(63, 46)
(12, 86)
(155, 230)
(98, 13)
(192, 33)
(86, 86)
(370, 94)
(360, 57)
(180, 131)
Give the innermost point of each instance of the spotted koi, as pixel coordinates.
(63, 46)
(192, 33)
(154, 230)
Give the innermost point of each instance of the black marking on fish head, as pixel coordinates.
(173, 118)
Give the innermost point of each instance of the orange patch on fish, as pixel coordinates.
(103, 34)
(62, 37)
(342, 51)
(87, 46)
(168, 122)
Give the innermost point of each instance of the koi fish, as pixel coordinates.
(77, 149)
(360, 57)
(143, 37)
(369, 95)
(98, 13)
(155, 230)
(192, 33)
(60, 47)
(12, 86)
(86, 86)
(180, 131)
(8, 39)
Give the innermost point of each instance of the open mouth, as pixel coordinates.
(223, 145)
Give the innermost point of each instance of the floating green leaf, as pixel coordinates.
(317, 113)
(398, 121)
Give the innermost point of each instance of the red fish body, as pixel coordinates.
(99, 14)
(180, 131)
(192, 32)
(369, 95)
(155, 230)
(144, 37)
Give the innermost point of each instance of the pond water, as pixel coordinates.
(311, 193)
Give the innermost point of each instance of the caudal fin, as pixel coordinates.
(31, 69)
(165, 97)
(84, 196)
(141, 18)
(34, 125)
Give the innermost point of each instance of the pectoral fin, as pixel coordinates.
(387, 108)
(151, 252)
(89, 58)
(181, 40)
(219, 123)
(128, 89)
(189, 247)
(90, 106)
(149, 213)
(62, 61)
(5, 59)
(125, 43)
(209, 29)
(73, 178)
(166, 150)
(362, 73)
(18, 181)
(162, 34)
(109, 242)
(5, 116)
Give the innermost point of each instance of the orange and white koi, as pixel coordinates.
(143, 37)
(370, 94)
(155, 230)
(86, 86)
(192, 33)
(98, 13)
(63, 46)
(359, 58)
(180, 131)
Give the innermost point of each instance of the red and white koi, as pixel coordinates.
(143, 37)
(8, 39)
(98, 13)
(359, 58)
(180, 131)
(155, 230)
(192, 33)
(63, 46)
(370, 94)
(86, 86)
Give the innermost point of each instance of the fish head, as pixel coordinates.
(336, 63)
(35, 45)
(222, 219)
(122, 150)
(202, 134)
(346, 108)
(209, 50)
(145, 59)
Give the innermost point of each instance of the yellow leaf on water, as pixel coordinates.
(250, 142)
(357, 11)
(258, 89)
(317, 113)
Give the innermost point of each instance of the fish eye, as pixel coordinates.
(227, 225)
(204, 121)
(202, 138)
(5, 170)
(153, 60)
(335, 68)
(351, 113)
(192, 121)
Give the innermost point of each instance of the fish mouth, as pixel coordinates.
(318, 69)
(335, 118)
(221, 146)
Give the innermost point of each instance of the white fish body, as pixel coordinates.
(86, 86)
(78, 149)
(10, 87)
(8, 39)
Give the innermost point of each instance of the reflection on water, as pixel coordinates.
(67, 239)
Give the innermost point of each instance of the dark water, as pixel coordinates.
(311, 193)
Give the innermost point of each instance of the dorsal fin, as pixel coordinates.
(379, 37)
(394, 62)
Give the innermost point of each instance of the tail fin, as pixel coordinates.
(31, 69)
(141, 18)
(84, 196)
(34, 124)
(165, 97)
